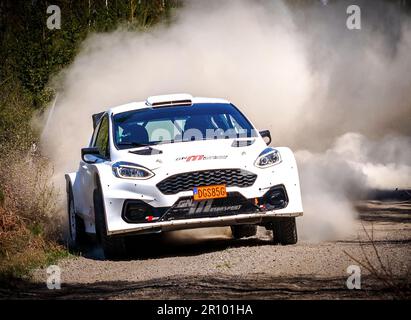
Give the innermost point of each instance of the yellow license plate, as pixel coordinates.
(210, 192)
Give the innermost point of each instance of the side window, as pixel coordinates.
(94, 136)
(101, 141)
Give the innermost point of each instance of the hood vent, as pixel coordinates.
(147, 151)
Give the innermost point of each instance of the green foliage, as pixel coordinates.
(32, 53)
(15, 115)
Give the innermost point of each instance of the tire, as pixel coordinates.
(243, 231)
(284, 231)
(114, 247)
(77, 230)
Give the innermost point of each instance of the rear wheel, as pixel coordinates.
(77, 230)
(243, 231)
(114, 247)
(284, 231)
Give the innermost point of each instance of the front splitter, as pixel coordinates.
(252, 218)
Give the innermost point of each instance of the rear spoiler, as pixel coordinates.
(96, 118)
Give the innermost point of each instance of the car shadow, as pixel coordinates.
(173, 244)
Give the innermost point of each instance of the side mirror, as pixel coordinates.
(266, 136)
(90, 155)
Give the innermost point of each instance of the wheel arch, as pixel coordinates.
(97, 180)
(97, 186)
(70, 178)
(70, 181)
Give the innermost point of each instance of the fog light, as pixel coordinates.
(137, 212)
(276, 198)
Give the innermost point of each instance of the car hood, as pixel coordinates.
(195, 155)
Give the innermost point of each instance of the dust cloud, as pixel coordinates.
(340, 98)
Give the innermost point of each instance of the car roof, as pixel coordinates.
(169, 100)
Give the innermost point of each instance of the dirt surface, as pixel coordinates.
(208, 264)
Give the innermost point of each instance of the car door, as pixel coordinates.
(100, 141)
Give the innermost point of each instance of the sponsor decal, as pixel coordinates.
(204, 206)
(199, 157)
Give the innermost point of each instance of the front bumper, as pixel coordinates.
(117, 191)
(189, 214)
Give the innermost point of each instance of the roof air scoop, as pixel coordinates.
(169, 100)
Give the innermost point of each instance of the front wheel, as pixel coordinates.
(77, 230)
(114, 247)
(284, 231)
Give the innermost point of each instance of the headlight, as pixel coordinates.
(268, 158)
(128, 170)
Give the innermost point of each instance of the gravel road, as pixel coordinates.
(208, 264)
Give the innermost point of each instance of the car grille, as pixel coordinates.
(188, 180)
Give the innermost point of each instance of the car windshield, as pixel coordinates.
(203, 121)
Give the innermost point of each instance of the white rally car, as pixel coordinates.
(177, 162)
